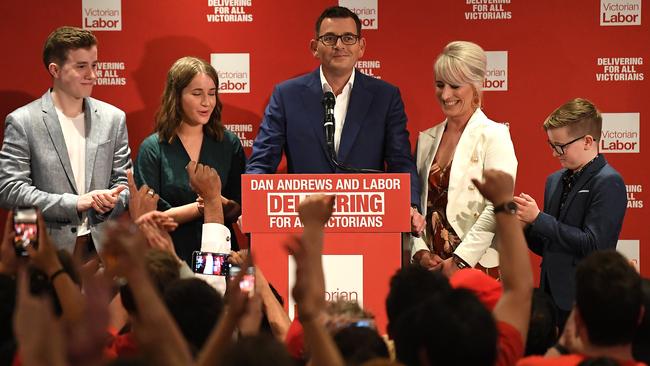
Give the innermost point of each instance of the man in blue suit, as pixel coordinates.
(370, 129)
(584, 203)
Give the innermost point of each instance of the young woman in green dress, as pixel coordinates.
(188, 128)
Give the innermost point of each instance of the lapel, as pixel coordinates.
(358, 107)
(465, 153)
(555, 196)
(53, 126)
(311, 98)
(589, 172)
(428, 144)
(93, 126)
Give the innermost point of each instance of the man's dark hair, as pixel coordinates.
(196, 307)
(410, 286)
(543, 327)
(360, 344)
(449, 328)
(163, 269)
(62, 41)
(641, 345)
(608, 298)
(257, 350)
(338, 12)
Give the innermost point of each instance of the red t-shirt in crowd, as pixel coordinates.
(566, 360)
(510, 345)
(121, 345)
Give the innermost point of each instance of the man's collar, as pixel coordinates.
(326, 87)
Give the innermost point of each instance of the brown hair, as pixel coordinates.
(580, 116)
(338, 12)
(170, 114)
(64, 39)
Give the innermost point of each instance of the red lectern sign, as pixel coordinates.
(364, 203)
(362, 245)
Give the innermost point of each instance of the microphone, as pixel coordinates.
(328, 122)
(329, 101)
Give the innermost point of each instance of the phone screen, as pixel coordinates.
(26, 228)
(215, 264)
(247, 283)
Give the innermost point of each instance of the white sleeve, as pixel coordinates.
(215, 238)
(417, 244)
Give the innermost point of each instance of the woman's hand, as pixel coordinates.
(417, 222)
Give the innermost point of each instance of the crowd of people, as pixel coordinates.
(112, 278)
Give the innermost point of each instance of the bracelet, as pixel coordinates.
(460, 263)
(561, 349)
(54, 275)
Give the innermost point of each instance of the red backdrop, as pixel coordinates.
(551, 51)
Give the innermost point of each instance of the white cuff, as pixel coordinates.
(417, 244)
(215, 238)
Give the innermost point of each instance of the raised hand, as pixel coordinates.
(141, 200)
(204, 180)
(497, 186)
(316, 209)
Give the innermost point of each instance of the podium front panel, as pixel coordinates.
(377, 254)
(364, 202)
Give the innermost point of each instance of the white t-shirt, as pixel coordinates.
(74, 134)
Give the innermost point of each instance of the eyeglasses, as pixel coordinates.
(331, 39)
(559, 149)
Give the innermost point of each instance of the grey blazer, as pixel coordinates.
(35, 168)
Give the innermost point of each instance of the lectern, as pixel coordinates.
(362, 242)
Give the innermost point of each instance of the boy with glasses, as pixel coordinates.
(584, 203)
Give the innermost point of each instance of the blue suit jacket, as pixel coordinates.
(590, 220)
(374, 135)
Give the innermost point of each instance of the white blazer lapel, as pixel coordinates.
(465, 155)
(428, 143)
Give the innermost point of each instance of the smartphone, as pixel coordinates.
(247, 283)
(363, 323)
(26, 228)
(215, 264)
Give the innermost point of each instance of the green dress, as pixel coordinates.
(161, 166)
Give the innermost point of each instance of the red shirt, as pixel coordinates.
(566, 360)
(510, 346)
(121, 345)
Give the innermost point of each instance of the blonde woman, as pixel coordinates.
(459, 221)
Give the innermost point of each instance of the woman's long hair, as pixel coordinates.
(170, 114)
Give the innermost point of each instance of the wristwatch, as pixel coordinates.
(461, 264)
(509, 207)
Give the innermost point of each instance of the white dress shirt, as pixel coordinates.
(341, 106)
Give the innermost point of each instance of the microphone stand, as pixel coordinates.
(329, 122)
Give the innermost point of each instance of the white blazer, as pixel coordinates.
(483, 145)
